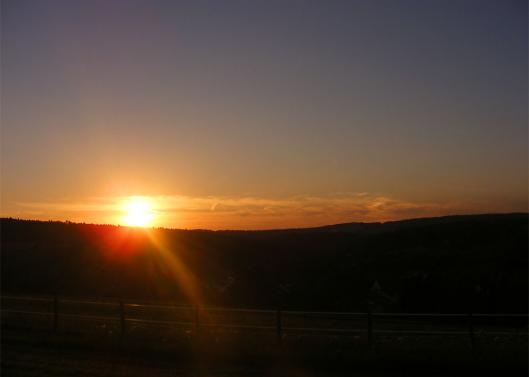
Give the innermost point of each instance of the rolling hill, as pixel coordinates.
(444, 264)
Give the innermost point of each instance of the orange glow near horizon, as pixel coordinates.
(138, 212)
(249, 212)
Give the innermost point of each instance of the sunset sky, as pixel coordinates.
(263, 114)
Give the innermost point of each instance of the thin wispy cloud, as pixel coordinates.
(249, 212)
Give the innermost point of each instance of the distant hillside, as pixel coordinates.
(379, 227)
(446, 264)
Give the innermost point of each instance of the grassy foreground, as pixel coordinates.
(43, 353)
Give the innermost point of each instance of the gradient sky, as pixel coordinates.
(261, 114)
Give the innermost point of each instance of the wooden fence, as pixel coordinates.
(127, 316)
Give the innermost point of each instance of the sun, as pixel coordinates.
(138, 212)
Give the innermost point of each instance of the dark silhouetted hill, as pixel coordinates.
(444, 264)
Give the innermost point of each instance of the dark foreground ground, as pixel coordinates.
(30, 353)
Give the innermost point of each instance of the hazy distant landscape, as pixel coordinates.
(453, 264)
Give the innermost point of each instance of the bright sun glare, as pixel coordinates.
(138, 212)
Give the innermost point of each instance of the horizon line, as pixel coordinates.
(273, 229)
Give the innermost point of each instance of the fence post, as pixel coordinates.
(471, 331)
(279, 326)
(370, 337)
(122, 318)
(197, 320)
(55, 313)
